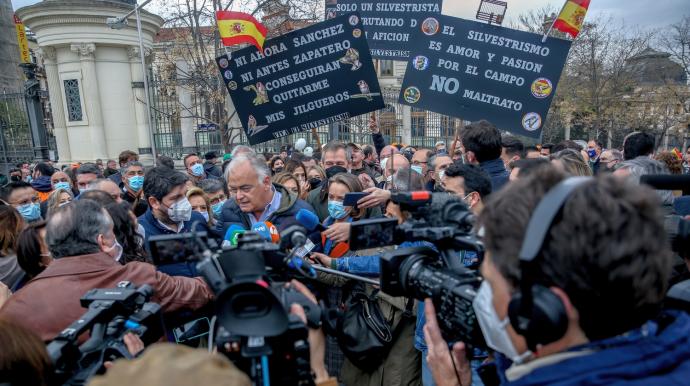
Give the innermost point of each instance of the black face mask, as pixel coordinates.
(16, 178)
(314, 182)
(277, 170)
(333, 170)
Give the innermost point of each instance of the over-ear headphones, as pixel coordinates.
(536, 312)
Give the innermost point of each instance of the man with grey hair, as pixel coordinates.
(108, 186)
(242, 149)
(254, 198)
(635, 168)
(81, 239)
(609, 159)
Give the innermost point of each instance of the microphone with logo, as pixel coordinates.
(232, 234)
(309, 220)
(267, 231)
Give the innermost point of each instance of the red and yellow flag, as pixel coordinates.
(239, 27)
(571, 17)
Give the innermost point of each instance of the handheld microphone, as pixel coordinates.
(309, 220)
(262, 229)
(232, 234)
(275, 236)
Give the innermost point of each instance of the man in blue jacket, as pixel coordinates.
(596, 316)
(255, 199)
(169, 212)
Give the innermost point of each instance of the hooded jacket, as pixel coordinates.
(281, 218)
(43, 186)
(656, 354)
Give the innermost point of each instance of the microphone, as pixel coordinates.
(267, 231)
(275, 236)
(232, 234)
(309, 220)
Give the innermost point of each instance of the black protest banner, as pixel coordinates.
(479, 71)
(389, 24)
(302, 80)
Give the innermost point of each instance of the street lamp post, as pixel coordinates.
(119, 23)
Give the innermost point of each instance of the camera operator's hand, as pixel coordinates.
(321, 259)
(376, 197)
(442, 365)
(134, 346)
(317, 340)
(338, 232)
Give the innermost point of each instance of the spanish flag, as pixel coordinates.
(239, 27)
(571, 17)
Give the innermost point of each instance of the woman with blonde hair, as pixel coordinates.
(291, 183)
(58, 198)
(200, 203)
(571, 162)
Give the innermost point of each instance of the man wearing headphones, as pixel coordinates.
(569, 302)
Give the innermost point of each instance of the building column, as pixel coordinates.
(140, 108)
(49, 55)
(92, 100)
(406, 135)
(184, 96)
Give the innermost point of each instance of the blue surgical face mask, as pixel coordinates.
(204, 214)
(62, 185)
(197, 170)
(30, 212)
(336, 209)
(416, 168)
(136, 183)
(217, 208)
(82, 191)
(591, 153)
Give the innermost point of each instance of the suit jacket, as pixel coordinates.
(50, 302)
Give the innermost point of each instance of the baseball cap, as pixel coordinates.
(356, 146)
(308, 151)
(227, 156)
(440, 143)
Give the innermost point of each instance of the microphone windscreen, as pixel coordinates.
(307, 219)
(273, 230)
(262, 229)
(233, 233)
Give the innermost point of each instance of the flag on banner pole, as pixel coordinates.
(571, 17)
(239, 27)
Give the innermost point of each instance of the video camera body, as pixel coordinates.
(254, 327)
(424, 272)
(111, 314)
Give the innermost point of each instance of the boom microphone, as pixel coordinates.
(309, 220)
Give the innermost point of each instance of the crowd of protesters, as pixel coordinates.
(70, 228)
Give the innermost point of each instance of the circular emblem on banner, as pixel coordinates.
(232, 85)
(541, 88)
(531, 121)
(353, 20)
(420, 62)
(227, 74)
(356, 32)
(223, 63)
(430, 26)
(411, 94)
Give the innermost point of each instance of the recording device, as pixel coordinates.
(253, 326)
(111, 314)
(677, 228)
(309, 220)
(351, 198)
(444, 221)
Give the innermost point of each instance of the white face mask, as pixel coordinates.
(494, 330)
(115, 251)
(180, 211)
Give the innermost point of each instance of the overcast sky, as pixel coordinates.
(645, 13)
